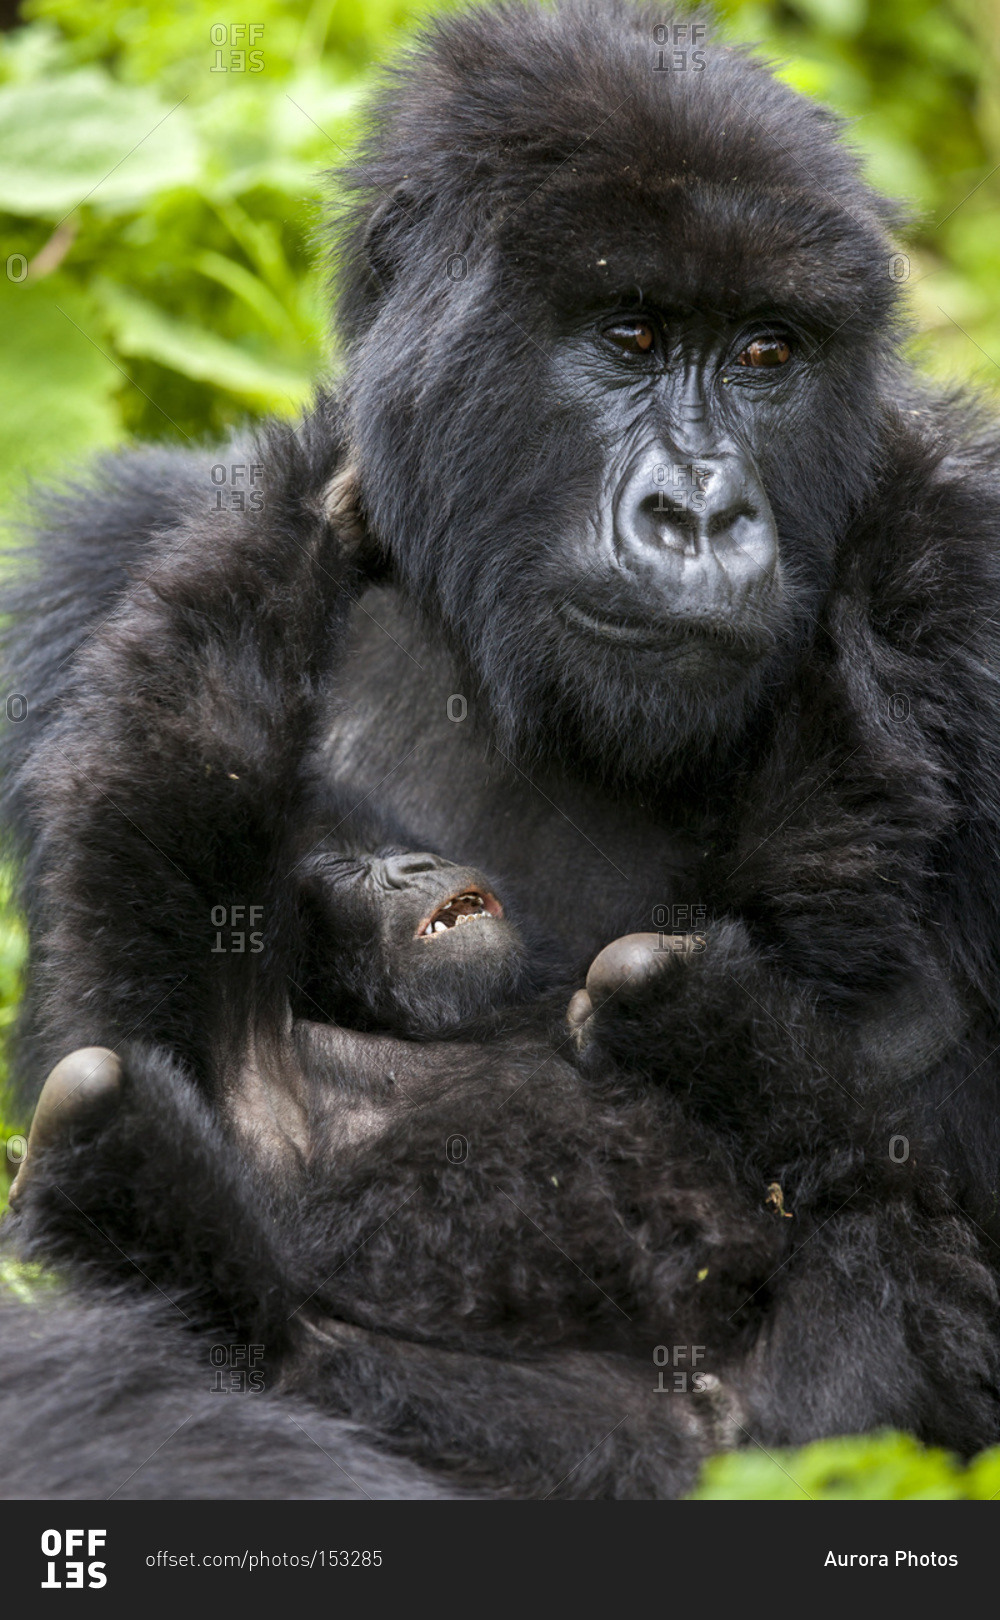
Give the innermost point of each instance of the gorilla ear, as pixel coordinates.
(340, 506)
(387, 233)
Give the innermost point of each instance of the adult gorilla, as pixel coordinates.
(648, 489)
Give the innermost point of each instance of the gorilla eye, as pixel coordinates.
(634, 337)
(766, 351)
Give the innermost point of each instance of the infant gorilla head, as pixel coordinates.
(402, 944)
(403, 1222)
(406, 942)
(410, 944)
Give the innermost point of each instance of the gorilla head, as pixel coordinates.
(616, 325)
(406, 942)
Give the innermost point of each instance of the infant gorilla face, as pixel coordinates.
(409, 942)
(416, 881)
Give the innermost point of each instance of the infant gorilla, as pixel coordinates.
(432, 1202)
(373, 917)
(464, 1229)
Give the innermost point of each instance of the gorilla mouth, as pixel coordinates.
(632, 633)
(470, 905)
(673, 637)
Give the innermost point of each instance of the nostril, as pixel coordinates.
(721, 522)
(399, 869)
(663, 520)
(668, 509)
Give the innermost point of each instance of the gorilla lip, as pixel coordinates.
(468, 905)
(677, 636)
(630, 634)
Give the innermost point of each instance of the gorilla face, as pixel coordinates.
(616, 341)
(408, 942)
(680, 557)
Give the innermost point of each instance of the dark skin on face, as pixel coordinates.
(406, 942)
(661, 572)
(683, 559)
(400, 899)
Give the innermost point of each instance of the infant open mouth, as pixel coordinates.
(468, 906)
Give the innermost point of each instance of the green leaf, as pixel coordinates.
(56, 388)
(85, 138)
(142, 330)
(878, 1467)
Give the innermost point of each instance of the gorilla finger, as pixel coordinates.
(579, 1010)
(81, 1089)
(634, 959)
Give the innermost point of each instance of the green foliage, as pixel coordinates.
(919, 82)
(880, 1467)
(159, 197)
(160, 193)
(25, 1282)
(13, 949)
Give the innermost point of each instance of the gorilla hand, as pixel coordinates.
(81, 1089)
(620, 975)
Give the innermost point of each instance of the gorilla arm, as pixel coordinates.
(222, 1257)
(168, 792)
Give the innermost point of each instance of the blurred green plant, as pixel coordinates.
(920, 84)
(13, 950)
(877, 1467)
(161, 188)
(161, 192)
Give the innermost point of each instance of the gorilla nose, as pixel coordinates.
(400, 870)
(699, 521)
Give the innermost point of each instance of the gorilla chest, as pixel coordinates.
(580, 867)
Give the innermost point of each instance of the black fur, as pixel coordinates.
(817, 774)
(107, 1400)
(484, 1260)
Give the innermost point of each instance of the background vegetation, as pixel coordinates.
(161, 190)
